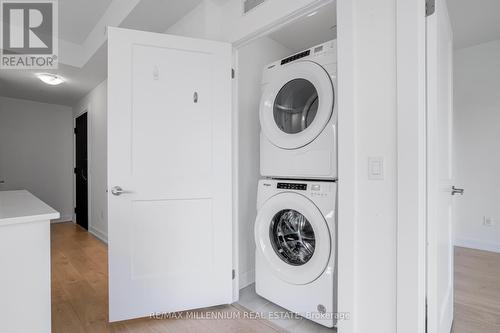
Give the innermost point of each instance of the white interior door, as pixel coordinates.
(169, 143)
(440, 177)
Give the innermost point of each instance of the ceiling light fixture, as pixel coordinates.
(51, 79)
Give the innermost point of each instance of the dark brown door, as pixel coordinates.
(81, 208)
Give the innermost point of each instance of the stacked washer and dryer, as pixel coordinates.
(296, 225)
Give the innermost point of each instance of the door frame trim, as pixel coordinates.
(86, 109)
(412, 166)
(347, 164)
(235, 174)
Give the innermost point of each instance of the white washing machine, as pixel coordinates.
(298, 115)
(295, 236)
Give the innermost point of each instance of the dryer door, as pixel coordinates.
(293, 237)
(297, 105)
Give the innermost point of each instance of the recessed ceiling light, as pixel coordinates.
(312, 14)
(51, 79)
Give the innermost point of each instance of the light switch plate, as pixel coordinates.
(376, 168)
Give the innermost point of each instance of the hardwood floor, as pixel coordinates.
(80, 293)
(477, 291)
(80, 298)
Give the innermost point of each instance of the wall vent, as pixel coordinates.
(248, 5)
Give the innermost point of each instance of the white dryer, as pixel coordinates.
(295, 236)
(298, 115)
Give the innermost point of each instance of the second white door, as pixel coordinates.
(440, 171)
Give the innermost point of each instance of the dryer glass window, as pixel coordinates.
(295, 106)
(292, 237)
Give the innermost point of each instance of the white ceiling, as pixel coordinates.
(474, 21)
(23, 84)
(158, 15)
(78, 17)
(75, 26)
(309, 30)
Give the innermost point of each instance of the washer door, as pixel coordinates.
(297, 105)
(293, 237)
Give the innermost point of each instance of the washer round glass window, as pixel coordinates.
(292, 237)
(295, 106)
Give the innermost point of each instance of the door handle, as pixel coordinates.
(2, 181)
(455, 190)
(117, 190)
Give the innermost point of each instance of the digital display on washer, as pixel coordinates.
(292, 186)
(295, 57)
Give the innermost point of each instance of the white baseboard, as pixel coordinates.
(63, 218)
(99, 234)
(94, 231)
(247, 278)
(478, 244)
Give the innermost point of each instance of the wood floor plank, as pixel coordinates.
(80, 294)
(64, 318)
(477, 291)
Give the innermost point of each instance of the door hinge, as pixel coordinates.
(430, 7)
(233, 274)
(74, 130)
(426, 315)
(75, 210)
(233, 73)
(74, 171)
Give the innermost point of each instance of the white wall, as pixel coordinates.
(36, 151)
(477, 144)
(95, 103)
(251, 59)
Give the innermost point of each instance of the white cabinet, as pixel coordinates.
(24, 263)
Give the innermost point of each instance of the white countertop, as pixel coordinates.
(23, 207)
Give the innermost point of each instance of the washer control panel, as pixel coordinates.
(319, 191)
(315, 187)
(292, 186)
(312, 189)
(295, 57)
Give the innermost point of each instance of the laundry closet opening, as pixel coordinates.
(287, 173)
